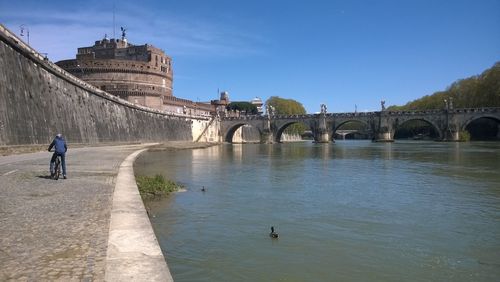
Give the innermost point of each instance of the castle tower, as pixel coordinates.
(140, 74)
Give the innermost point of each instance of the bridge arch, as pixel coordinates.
(282, 127)
(467, 122)
(494, 132)
(399, 124)
(228, 136)
(365, 126)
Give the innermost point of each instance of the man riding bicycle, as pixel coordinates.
(60, 150)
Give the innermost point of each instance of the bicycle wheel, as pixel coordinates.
(57, 168)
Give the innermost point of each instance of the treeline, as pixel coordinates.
(477, 91)
(246, 107)
(288, 107)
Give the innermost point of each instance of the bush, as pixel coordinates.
(152, 186)
(464, 136)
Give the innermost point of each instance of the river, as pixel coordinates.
(346, 211)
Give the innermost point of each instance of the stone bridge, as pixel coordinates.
(381, 125)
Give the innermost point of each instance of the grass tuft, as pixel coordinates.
(152, 186)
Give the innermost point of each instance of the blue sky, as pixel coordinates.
(342, 53)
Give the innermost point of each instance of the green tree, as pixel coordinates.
(288, 107)
(477, 91)
(247, 107)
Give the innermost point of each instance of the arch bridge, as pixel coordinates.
(381, 125)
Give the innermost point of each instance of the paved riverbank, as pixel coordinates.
(57, 230)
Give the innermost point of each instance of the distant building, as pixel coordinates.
(222, 103)
(258, 103)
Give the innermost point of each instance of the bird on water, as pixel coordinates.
(203, 189)
(273, 234)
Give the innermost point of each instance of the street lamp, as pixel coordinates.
(24, 27)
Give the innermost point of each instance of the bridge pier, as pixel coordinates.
(384, 131)
(321, 133)
(322, 137)
(383, 137)
(451, 135)
(266, 135)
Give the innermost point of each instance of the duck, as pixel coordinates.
(203, 189)
(273, 234)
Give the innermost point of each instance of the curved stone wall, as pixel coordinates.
(38, 100)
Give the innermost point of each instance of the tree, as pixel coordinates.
(476, 91)
(247, 107)
(288, 107)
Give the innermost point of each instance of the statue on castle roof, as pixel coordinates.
(123, 32)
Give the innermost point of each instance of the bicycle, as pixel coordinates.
(57, 168)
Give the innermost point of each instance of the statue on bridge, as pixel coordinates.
(271, 111)
(323, 108)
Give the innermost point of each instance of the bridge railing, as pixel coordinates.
(368, 114)
(477, 110)
(351, 114)
(440, 111)
(413, 113)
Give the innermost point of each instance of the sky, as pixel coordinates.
(347, 54)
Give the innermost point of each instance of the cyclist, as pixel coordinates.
(60, 150)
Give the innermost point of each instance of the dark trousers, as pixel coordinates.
(63, 162)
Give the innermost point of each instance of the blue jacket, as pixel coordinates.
(60, 145)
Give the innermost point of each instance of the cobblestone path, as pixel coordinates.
(57, 230)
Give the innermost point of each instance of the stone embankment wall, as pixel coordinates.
(206, 130)
(39, 100)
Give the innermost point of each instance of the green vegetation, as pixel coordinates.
(288, 107)
(152, 186)
(464, 136)
(476, 91)
(247, 107)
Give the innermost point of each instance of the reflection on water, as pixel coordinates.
(349, 211)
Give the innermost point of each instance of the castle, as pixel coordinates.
(140, 74)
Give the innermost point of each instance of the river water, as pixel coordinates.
(348, 211)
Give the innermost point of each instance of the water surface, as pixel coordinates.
(349, 211)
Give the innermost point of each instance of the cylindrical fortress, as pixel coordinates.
(141, 74)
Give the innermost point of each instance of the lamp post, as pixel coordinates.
(23, 28)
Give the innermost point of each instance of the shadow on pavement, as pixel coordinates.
(44, 176)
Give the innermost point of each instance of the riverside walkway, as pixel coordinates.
(59, 230)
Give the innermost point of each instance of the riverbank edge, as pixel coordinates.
(133, 252)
